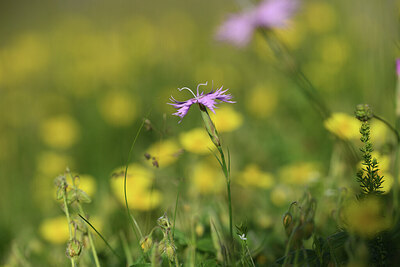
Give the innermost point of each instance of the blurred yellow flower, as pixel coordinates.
(118, 108)
(379, 132)
(60, 132)
(343, 126)
(253, 176)
(165, 152)
(334, 50)
(51, 164)
(387, 182)
(226, 119)
(279, 196)
(196, 141)
(300, 173)
(366, 217)
(139, 183)
(262, 101)
(263, 220)
(292, 35)
(26, 56)
(320, 17)
(86, 183)
(207, 178)
(55, 230)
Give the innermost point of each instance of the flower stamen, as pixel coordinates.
(199, 86)
(190, 90)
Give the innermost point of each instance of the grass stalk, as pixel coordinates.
(73, 264)
(92, 247)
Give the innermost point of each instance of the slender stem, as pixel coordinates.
(389, 126)
(251, 258)
(69, 221)
(96, 259)
(127, 251)
(101, 236)
(176, 208)
(287, 250)
(130, 216)
(228, 187)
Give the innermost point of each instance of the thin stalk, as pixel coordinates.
(102, 238)
(287, 250)
(251, 258)
(130, 216)
(393, 129)
(96, 259)
(69, 222)
(176, 208)
(228, 187)
(127, 251)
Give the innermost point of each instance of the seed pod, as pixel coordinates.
(74, 248)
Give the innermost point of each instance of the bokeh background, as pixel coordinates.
(78, 77)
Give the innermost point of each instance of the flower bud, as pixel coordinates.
(74, 248)
(363, 112)
(211, 130)
(146, 243)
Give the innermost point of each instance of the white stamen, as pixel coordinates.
(199, 86)
(190, 90)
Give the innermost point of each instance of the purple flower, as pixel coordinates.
(208, 100)
(239, 28)
(398, 66)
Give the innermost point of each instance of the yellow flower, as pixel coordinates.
(343, 126)
(139, 190)
(279, 196)
(321, 17)
(60, 132)
(86, 183)
(50, 163)
(293, 35)
(207, 178)
(253, 176)
(366, 217)
(378, 132)
(118, 108)
(300, 173)
(196, 141)
(387, 182)
(25, 57)
(165, 152)
(226, 119)
(262, 101)
(334, 51)
(55, 230)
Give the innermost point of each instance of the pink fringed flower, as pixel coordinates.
(209, 100)
(239, 28)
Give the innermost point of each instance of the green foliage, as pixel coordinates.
(368, 177)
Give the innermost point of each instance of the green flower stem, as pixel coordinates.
(305, 85)
(226, 171)
(127, 250)
(69, 222)
(93, 248)
(214, 136)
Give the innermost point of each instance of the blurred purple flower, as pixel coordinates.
(398, 66)
(239, 28)
(208, 100)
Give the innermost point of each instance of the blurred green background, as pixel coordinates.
(78, 77)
